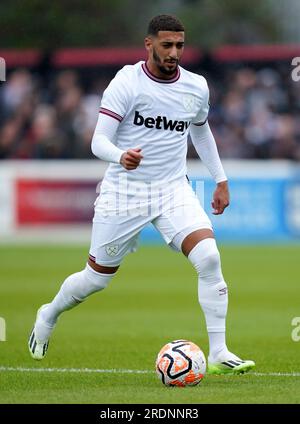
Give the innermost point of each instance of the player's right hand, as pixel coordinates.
(131, 159)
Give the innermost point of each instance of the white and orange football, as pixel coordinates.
(181, 363)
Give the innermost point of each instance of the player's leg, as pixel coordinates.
(201, 249)
(104, 260)
(74, 290)
(187, 228)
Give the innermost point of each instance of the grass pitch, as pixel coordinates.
(152, 300)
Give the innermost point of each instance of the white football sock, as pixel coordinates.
(212, 293)
(73, 291)
(218, 351)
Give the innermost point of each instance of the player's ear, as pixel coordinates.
(148, 43)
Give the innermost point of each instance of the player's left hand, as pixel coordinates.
(220, 198)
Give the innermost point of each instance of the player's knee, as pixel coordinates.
(97, 280)
(205, 258)
(103, 269)
(210, 263)
(209, 267)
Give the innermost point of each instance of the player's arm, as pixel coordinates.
(105, 149)
(206, 147)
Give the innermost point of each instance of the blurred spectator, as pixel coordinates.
(253, 114)
(44, 138)
(18, 87)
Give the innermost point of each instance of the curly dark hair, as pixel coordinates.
(164, 23)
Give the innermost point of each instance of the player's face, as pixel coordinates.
(165, 51)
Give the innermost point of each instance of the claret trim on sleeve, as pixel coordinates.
(111, 113)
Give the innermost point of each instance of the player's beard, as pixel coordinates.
(162, 67)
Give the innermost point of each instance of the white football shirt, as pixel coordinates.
(155, 115)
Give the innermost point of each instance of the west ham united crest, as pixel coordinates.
(112, 249)
(189, 102)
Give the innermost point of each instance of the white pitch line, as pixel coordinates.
(126, 371)
(77, 370)
(276, 374)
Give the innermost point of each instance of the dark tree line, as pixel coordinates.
(51, 24)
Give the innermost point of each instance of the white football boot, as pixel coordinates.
(39, 337)
(229, 364)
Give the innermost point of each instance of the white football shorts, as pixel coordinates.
(119, 217)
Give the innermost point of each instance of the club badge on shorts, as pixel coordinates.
(112, 249)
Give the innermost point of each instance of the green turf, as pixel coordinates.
(151, 301)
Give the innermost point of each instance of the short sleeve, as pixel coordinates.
(116, 97)
(202, 114)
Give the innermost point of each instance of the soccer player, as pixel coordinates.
(146, 114)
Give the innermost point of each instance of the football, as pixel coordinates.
(180, 363)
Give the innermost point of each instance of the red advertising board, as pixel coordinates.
(40, 201)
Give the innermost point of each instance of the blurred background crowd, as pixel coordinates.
(51, 113)
(44, 121)
(254, 113)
